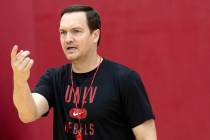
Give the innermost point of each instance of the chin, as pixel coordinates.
(71, 58)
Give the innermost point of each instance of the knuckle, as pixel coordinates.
(25, 53)
(22, 54)
(27, 59)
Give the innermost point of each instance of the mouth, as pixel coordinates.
(71, 49)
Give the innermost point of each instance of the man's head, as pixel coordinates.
(93, 18)
(79, 31)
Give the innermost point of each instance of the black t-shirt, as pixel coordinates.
(116, 102)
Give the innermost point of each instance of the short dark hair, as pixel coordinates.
(93, 18)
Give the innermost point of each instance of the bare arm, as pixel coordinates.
(145, 131)
(29, 106)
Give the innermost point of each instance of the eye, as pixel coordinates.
(76, 31)
(62, 32)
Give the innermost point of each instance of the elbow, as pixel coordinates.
(27, 118)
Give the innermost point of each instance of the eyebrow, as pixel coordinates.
(63, 29)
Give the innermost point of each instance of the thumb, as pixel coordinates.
(14, 53)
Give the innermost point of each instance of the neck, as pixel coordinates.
(87, 64)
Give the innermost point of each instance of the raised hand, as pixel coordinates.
(21, 64)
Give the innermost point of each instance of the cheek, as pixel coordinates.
(86, 40)
(61, 39)
(62, 42)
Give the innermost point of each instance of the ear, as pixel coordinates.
(96, 35)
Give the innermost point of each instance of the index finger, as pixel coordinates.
(14, 52)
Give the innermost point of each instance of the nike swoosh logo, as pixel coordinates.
(76, 114)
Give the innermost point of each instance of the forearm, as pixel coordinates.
(22, 98)
(24, 102)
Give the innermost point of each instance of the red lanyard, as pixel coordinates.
(86, 93)
(81, 113)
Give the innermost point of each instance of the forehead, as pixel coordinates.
(74, 19)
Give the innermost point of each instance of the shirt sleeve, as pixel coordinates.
(135, 101)
(45, 88)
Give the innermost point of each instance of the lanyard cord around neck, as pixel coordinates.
(86, 93)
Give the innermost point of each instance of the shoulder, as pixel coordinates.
(120, 70)
(60, 71)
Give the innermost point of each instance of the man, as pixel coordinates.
(93, 98)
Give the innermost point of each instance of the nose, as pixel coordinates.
(69, 38)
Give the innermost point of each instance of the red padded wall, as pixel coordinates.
(166, 41)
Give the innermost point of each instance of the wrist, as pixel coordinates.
(19, 81)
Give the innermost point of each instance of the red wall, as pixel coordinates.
(167, 41)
